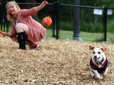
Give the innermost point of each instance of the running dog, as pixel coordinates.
(98, 62)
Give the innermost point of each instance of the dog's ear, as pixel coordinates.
(91, 47)
(103, 49)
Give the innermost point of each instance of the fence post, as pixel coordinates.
(56, 10)
(3, 19)
(57, 20)
(1, 13)
(105, 23)
(76, 35)
(53, 18)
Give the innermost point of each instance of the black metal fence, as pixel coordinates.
(93, 27)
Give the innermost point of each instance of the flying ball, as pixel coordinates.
(47, 21)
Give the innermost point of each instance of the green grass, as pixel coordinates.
(91, 37)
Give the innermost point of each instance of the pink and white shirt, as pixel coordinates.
(36, 30)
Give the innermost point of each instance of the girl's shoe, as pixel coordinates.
(34, 47)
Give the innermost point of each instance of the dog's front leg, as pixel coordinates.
(105, 72)
(97, 74)
(92, 72)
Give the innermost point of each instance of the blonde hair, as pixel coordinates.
(9, 15)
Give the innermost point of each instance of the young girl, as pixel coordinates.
(25, 30)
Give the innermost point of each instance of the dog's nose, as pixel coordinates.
(95, 56)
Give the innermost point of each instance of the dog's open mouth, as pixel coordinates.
(97, 58)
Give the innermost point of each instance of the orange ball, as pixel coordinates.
(47, 21)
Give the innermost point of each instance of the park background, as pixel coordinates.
(93, 27)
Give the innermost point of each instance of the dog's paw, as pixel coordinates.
(99, 77)
(104, 74)
(92, 75)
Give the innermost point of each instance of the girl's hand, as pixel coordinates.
(43, 4)
(5, 34)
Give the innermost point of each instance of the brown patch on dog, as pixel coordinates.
(103, 49)
(91, 47)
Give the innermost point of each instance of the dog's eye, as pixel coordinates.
(99, 52)
(93, 52)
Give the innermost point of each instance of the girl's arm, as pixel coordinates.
(34, 10)
(42, 5)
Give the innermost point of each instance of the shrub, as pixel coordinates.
(65, 25)
(91, 27)
(110, 26)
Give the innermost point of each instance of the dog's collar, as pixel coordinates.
(94, 66)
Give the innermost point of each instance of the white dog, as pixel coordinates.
(99, 62)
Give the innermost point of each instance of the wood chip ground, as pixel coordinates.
(56, 62)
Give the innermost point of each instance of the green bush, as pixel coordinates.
(91, 27)
(84, 26)
(65, 25)
(110, 26)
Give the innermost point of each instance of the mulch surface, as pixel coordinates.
(56, 62)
